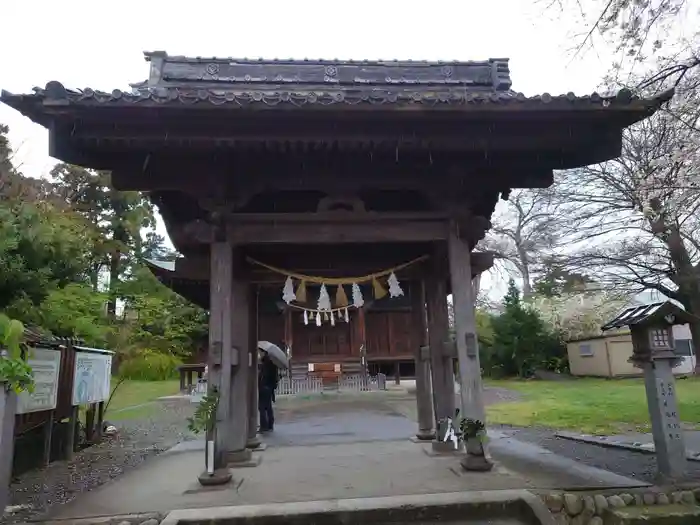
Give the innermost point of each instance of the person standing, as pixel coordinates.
(267, 384)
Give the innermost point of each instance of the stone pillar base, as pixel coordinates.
(445, 447)
(253, 443)
(474, 463)
(425, 435)
(219, 477)
(242, 458)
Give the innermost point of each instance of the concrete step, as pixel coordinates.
(503, 507)
(654, 515)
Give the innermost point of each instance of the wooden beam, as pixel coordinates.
(337, 233)
(467, 135)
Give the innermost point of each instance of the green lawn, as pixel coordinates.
(593, 406)
(135, 393)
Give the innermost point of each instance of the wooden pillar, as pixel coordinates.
(48, 438)
(424, 398)
(288, 336)
(253, 439)
(219, 360)
(241, 342)
(440, 356)
(362, 333)
(463, 299)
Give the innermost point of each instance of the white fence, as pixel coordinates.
(311, 385)
(359, 382)
(306, 385)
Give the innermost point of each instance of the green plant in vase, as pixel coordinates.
(15, 373)
(473, 433)
(204, 418)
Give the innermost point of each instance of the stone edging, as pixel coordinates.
(603, 441)
(589, 509)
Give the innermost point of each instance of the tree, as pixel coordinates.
(116, 219)
(635, 221)
(40, 249)
(577, 315)
(638, 30)
(556, 281)
(521, 341)
(158, 318)
(523, 232)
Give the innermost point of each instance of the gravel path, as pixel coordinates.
(636, 465)
(138, 439)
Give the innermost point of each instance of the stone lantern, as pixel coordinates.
(651, 327)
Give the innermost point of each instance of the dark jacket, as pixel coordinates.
(268, 375)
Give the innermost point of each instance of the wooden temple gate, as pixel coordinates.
(329, 169)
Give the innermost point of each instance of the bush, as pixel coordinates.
(148, 365)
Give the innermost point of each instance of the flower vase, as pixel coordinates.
(475, 458)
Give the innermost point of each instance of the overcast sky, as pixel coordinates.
(99, 44)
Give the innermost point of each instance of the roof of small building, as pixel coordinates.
(648, 313)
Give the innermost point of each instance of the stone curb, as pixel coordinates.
(591, 508)
(603, 442)
(140, 518)
(418, 508)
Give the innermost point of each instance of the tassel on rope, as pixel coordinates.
(318, 319)
(394, 286)
(325, 316)
(357, 300)
(332, 319)
(378, 289)
(347, 316)
(301, 292)
(288, 294)
(324, 300)
(340, 298)
(306, 318)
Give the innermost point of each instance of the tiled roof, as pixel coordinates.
(639, 314)
(231, 82)
(56, 94)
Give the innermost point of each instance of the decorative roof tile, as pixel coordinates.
(237, 83)
(56, 94)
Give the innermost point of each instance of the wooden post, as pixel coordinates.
(219, 360)
(100, 419)
(8, 407)
(440, 357)
(362, 332)
(90, 423)
(471, 390)
(253, 439)
(424, 396)
(238, 389)
(72, 434)
(48, 436)
(288, 336)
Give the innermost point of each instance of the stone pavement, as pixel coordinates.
(328, 449)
